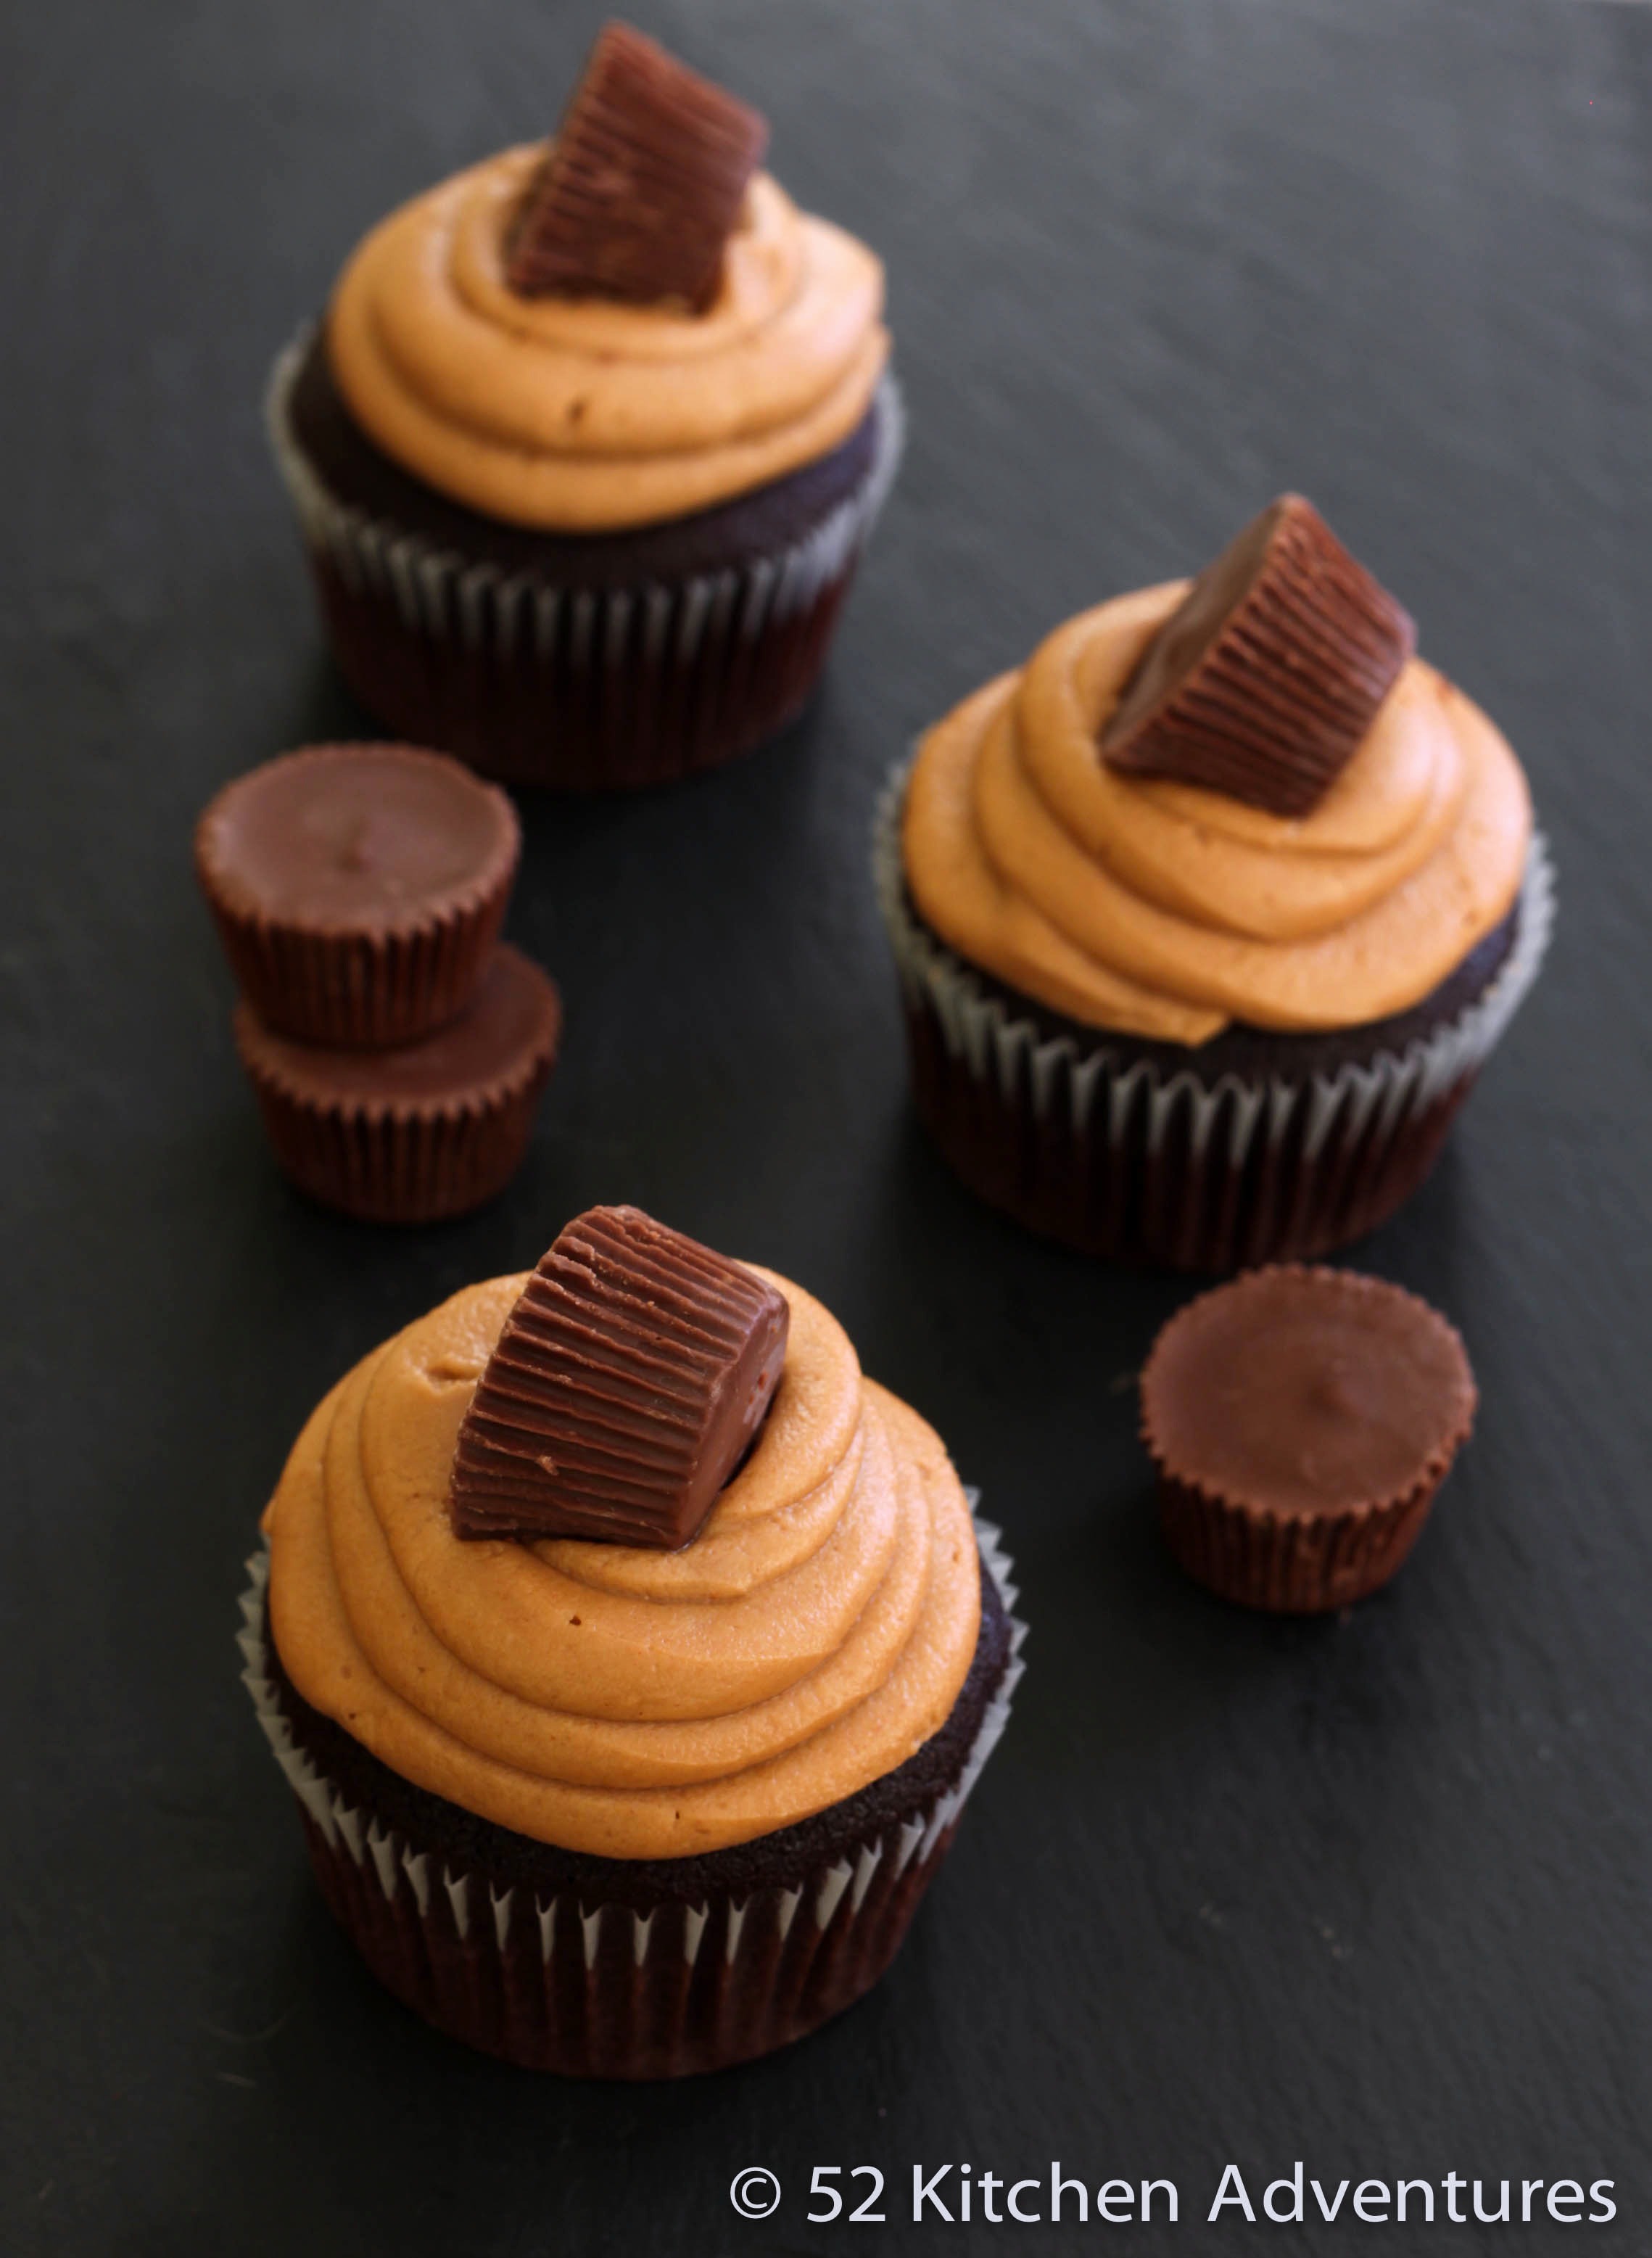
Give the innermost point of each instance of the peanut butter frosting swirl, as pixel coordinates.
(1158, 909)
(578, 414)
(627, 1702)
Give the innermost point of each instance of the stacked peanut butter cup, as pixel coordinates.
(397, 1046)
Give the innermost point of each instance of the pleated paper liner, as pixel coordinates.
(1290, 1564)
(1126, 1162)
(536, 682)
(602, 1989)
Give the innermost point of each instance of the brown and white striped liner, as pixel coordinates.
(576, 688)
(1173, 1168)
(601, 1990)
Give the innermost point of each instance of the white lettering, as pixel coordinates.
(1059, 2187)
(1404, 2190)
(1573, 2195)
(1490, 2217)
(1108, 2193)
(924, 2191)
(1293, 2188)
(1597, 2194)
(1149, 2186)
(1027, 2217)
(1372, 2191)
(1329, 2210)
(1240, 2198)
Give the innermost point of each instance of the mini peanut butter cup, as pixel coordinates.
(1264, 681)
(1301, 1420)
(418, 1134)
(358, 889)
(628, 1384)
(642, 186)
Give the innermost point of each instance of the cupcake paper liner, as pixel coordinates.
(1139, 1165)
(1290, 1564)
(601, 1990)
(578, 689)
(363, 990)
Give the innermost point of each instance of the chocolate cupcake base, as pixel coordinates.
(1281, 1147)
(575, 663)
(602, 1968)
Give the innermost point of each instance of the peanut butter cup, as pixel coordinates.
(626, 1385)
(1265, 680)
(358, 889)
(414, 1134)
(642, 186)
(1301, 1420)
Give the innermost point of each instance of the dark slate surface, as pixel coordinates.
(1370, 1895)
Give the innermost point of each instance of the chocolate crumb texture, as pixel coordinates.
(629, 1384)
(642, 187)
(1265, 679)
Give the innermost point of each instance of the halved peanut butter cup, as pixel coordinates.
(642, 186)
(1264, 681)
(626, 1385)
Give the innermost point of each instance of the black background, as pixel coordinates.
(1369, 1892)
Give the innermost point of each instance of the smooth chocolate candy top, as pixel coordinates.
(507, 1032)
(357, 838)
(629, 1384)
(1298, 1390)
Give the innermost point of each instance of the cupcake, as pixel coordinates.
(1209, 916)
(397, 1048)
(631, 1657)
(1301, 1421)
(587, 442)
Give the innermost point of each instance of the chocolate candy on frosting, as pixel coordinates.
(626, 1385)
(1265, 680)
(642, 186)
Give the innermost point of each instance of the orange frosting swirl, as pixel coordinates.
(1161, 910)
(631, 1703)
(579, 415)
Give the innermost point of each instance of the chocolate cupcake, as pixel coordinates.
(587, 446)
(1301, 1421)
(1208, 917)
(358, 889)
(611, 1809)
(422, 1132)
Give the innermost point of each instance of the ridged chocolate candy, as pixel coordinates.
(642, 187)
(628, 1383)
(1265, 679)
